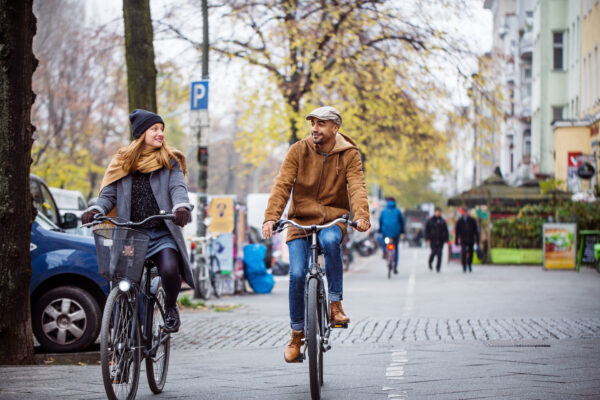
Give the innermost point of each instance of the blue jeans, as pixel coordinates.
(329, 239)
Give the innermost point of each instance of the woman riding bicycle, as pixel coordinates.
(142, 179)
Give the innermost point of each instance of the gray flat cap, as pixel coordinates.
(326, 113)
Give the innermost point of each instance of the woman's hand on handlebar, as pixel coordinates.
(88, 216)
(267, 229)
(362, 225)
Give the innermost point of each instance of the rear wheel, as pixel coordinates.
(202, 281)
(119, 348)
(390, 263)
(157, 364)
(313, 339)
(215, 276)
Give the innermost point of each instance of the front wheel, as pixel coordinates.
(119, 348)
(313, 339)
(157, 362)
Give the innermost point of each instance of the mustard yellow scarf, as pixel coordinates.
(148, 162)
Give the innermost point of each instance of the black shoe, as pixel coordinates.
(396, 271)
(172, 321)
(430, 267)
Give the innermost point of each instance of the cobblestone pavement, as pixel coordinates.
(209, 333)
(498, 333)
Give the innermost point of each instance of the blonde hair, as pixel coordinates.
(131, 154)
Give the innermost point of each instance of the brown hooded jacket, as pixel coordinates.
(324, 185)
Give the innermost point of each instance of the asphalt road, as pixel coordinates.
(499, 332)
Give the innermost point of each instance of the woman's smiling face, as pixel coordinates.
(154, 136)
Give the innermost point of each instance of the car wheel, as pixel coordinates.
(65, 319)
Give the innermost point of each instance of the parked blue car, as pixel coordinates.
(67, 293)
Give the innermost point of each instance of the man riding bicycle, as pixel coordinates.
(391, 225)
(325, 173)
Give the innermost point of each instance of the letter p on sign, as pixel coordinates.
(199, 95)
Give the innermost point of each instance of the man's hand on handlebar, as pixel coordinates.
(267, 229)
(362, 225)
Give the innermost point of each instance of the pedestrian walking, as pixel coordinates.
(467, 236)
(391, 225)
(142, 179)
(325, 172)
(436, 234)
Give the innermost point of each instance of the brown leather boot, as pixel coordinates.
(337, 313)
(292, 350)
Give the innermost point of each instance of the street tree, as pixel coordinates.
(17, 63)
(139, 53)
(373, 59)
(81, 105)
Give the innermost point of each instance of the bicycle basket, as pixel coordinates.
(121, 253)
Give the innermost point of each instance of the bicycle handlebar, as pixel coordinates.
(280, 224)
(99, 218)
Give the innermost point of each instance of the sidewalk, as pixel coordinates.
(500, 332)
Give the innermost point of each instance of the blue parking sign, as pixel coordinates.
(199, 95)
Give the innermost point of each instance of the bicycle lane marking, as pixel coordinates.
(395, 371)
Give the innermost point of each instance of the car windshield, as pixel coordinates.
(68, 200)
(45, 223)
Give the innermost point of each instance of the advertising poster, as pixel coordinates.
(560, 246)
(221, 212)
(573, 181)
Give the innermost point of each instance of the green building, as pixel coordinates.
(556, 74)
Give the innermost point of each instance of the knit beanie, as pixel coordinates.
(142, 120)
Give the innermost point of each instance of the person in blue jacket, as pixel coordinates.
(391, 224)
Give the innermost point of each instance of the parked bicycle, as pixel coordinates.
(207, 268)
(134, 314)
(317, 327)
(390, 248)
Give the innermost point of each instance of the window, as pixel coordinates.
(527, 71)
(590, 82)
(557, 43)
(557, 113)
(584, 84)
(595, 77)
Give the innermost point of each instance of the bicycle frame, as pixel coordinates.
(315, 272)
(144, 307)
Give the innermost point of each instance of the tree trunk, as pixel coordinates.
(295, 106)
(139, 53)
(17, 63)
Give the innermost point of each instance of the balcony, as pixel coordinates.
(526, 46)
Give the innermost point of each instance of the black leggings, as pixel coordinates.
(167, 261)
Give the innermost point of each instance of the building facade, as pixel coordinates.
(555, 75)
(512, 50)
(575, 136)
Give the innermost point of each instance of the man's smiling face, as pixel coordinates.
(323, 131)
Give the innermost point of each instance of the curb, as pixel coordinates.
(87, 358)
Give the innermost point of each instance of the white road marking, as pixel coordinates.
(396, 372)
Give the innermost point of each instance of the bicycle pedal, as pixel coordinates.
(342, 326)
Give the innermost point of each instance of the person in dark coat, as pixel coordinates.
(436, 234)
(391, 224)
(467, 235)
(142, 179)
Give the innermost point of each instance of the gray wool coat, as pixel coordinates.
(170, 191)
